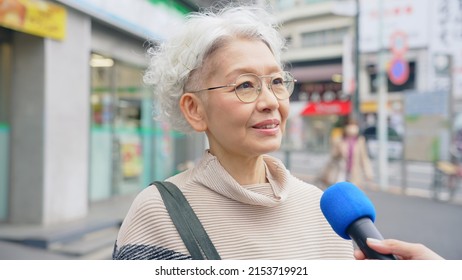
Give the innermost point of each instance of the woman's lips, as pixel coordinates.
(269, 127)
(267, 124)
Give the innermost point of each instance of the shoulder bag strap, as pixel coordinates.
(186, 222)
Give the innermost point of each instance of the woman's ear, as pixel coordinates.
(193, 110)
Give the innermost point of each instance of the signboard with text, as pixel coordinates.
(40, 18)
(327, 108)
(151, 19)
(398, 16)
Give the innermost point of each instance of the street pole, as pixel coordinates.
(382, 108)
(450, 100)
(350, 62)
(356, 99)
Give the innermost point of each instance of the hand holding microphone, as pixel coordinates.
(403, 250)
(351, 215)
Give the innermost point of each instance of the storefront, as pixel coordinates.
(5, 78)
(17, 18)
(325, 108)
(76, 122)
(128, 148)
(322, 123)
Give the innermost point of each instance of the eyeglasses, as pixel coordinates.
(248, 86)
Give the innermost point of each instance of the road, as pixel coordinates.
(411, 216)
(417, 219)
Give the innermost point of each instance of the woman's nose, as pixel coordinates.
(267, 99)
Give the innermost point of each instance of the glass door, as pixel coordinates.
(101, 129)
(128, 157)
(5, 78)
(121, 157)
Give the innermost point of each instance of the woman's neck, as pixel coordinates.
(245, 170)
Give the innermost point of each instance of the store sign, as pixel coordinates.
(150, 19)
(327, 108)
(40, 18)
(392, 16)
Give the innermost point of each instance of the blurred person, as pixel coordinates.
(349, 159)
(222, 75)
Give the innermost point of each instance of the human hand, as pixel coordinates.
(402, 250)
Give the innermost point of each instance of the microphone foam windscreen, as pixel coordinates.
(342, 204)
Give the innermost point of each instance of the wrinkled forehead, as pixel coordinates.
(214, 59)
(215, 56)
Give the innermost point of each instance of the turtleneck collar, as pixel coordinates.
(211, 174)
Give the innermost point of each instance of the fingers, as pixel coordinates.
(359, 255)
(403, 250)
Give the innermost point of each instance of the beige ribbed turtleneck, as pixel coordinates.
(276, 220)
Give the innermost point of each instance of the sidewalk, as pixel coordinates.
(13, 251)
(91, 237)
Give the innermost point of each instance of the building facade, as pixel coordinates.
(418, 42)
(316, 48)
(76, 123)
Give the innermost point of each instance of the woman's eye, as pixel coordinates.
(278, 81)
(245, 85)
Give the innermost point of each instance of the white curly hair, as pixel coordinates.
(176, 63)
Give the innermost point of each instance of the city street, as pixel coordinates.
(89, 116)
(411, 216)
(415, 178)
(417, 219)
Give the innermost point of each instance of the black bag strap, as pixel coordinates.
(186, 222)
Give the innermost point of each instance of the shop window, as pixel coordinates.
(324, 37)
(5, 93)
(323, 91)
(116, 129)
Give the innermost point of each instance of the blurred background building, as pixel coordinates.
(333, 46)
(76, 124)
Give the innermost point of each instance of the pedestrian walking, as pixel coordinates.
(349, 159)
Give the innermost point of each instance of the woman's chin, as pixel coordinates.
(270, 147)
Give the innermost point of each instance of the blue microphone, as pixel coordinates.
(351, 215)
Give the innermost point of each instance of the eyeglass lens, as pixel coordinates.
(248, 86)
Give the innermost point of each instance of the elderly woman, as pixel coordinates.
(222, 75)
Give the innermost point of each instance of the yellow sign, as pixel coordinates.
(36, 17)
(371, 107)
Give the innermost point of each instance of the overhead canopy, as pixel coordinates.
(327, 108)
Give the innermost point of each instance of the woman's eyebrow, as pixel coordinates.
(246, 70)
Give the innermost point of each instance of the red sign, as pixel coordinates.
(398, 43)
(327, 108)
(398, 72)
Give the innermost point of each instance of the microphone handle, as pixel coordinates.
(362, 229)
